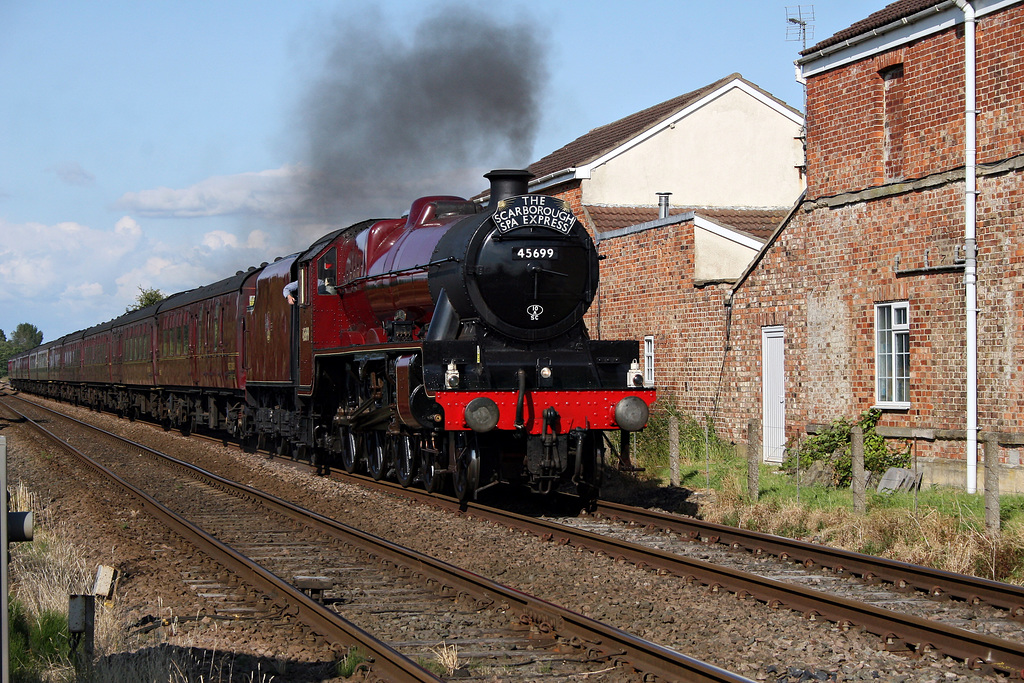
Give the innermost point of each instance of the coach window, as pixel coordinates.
(649, 361)
(892, 355)
(327, 272)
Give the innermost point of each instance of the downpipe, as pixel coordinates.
(970, 243)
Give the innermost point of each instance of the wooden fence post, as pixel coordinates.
(754, 459)
(992, 483)
(673, 449)
(859, 483)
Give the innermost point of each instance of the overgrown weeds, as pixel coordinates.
(699, 444)
(832, 446)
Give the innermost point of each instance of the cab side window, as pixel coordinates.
(327, 272)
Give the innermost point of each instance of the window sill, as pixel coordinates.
(894, 405)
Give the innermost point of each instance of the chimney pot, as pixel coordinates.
(663, 204)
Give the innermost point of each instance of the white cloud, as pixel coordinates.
(221, 239)
(128, 226)
(258, 240)
(84, 290)
(68, 275)
(59, 269)
(168, 274)
(268, 193)
(24, 276)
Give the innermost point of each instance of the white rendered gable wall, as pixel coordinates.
(734, 148)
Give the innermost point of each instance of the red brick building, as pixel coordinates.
(730, 157)
(865, 296)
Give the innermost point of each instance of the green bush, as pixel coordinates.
(832, 446)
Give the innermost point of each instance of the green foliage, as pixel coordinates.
(349, 664)
(832, 445)
(36, 644)
(24, 337)
(147, 297)
(651, 447)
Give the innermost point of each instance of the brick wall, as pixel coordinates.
(820, 281)
(647, 289)
(838, 257)
(847, 115)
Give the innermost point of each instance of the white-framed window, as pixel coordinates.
(649, 361)
(892, 355)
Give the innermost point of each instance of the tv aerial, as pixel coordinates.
(799, 24)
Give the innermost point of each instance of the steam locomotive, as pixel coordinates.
(447, 346)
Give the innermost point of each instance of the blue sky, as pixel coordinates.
(169, 144)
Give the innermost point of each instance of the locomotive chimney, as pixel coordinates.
(663, 204)
(507, 183)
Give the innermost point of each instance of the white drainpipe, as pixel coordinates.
(970, 246)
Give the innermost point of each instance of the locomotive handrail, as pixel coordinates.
(410, 269)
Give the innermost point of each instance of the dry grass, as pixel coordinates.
(923, 536)
(941, 528)
(447, 657)
(50, 568)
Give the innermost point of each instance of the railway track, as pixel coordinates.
(902, 575)
(389, 589)
(911, 608)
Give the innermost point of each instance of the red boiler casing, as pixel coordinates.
(382, 270)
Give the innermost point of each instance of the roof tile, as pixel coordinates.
(883, 17)
(758, 223)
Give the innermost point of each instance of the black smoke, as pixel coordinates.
(394, 116)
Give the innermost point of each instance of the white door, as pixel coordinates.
(773, 396)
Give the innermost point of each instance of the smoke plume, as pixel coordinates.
(395, 116)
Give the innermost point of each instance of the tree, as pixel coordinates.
(5, 353)
(147, 297)
(25, 337)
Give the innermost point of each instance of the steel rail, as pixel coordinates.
(937, 582)
(902, 574)
(598, 638)
(898, 630)
(387, 663)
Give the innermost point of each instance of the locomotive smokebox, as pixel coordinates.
(507, 182)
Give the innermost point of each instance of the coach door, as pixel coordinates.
(773, 394)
